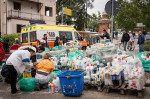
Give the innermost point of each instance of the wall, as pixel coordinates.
(12, 25)
(102, 27)
(27, 7)
(48, 19)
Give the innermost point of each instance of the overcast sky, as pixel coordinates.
(99, 5)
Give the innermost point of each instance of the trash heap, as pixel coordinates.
(102, 50)
(123, 68)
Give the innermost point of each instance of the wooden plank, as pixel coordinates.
(123, 85)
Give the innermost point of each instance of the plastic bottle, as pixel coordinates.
(87, 70)
(49, 87)
(57, 84)
(91, 69)
(52, 88)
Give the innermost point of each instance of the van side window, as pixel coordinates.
(77, 36)
(67, 33)
(25, 38)
(33, 36)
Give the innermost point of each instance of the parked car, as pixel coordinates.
(148, 36)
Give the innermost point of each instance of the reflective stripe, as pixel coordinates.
(26, 60)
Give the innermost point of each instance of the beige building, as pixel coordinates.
(14, 13)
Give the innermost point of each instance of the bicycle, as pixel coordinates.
(131, 46)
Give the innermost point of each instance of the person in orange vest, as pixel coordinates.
(44, 72)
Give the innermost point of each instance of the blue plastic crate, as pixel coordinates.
(113, 77)
(71, 82)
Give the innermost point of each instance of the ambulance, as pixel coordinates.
(33, 33)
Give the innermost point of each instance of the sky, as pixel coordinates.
(99, 5)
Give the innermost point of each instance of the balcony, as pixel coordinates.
(13, 14)
(32, 1)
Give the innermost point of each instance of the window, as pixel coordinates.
(77, 36)
(18, 28)
(48, 11)
(68, 34)
(33, 36)
(25, 38)
(17, 6)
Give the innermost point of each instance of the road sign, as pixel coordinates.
(108, 7)
(68, 11)
(140, 25)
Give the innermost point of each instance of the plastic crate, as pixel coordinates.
(118, 77)
(71, 82)
(113, 77)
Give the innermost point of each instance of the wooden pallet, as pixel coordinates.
(100, 88)
(124, 88)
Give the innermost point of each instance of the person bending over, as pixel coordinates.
(44, 72)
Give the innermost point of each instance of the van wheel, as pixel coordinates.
(84, 48)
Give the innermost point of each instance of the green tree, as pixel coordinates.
(93, 22)
(79, 12)
(133, 12)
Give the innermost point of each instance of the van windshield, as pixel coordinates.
(25, 38)
(33, 37)
(77, 36)
(67, 33)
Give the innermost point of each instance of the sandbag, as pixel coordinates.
(27, 84)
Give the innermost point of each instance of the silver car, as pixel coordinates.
(148, 36)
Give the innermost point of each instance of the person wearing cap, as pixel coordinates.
(2, 52)
(125, 39)
(16, 64)
(16, 41)
(44, 40)
(131, 36)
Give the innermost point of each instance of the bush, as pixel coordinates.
(146, 46)
(11, 38)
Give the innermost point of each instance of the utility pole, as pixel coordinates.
(86, 14)
(62, 15)
(112, 16)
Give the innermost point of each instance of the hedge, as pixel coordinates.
(146, 46)
(11, 38)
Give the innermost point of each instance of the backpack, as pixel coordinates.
(5, 72)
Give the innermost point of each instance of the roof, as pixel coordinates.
(88, 32)
(46, 27)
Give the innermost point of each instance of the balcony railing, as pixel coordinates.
(34, 1)
(24, 16)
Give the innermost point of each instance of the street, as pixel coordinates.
(87, 94)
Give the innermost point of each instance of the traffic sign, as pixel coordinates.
(68, 11)
(108, 7)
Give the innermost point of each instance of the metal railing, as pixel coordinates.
(38, 1)
(23, 15)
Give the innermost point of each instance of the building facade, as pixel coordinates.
(14, 13)
(104, 23)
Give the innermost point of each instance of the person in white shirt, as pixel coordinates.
(16, 63)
